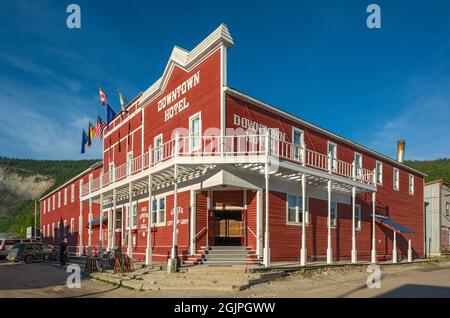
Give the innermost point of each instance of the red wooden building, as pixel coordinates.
(193, 142)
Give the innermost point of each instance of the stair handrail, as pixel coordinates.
(258, 238)
(195, 237)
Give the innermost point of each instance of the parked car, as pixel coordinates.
(32, 252)
(7, 243)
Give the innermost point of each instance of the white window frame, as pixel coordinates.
(447, 209)
(72, 226)
(48, 230)
(158, 154)
(297, 148)
(72, 193)
(191, 137)
(334, 223)
(358, 169)
(53, 230)
(129, 162)
(396, 181)
(65, 196)
(49, 205)
(54, 202)
(59, 199)
(44, 206)
(111, 171)
(335, 158)
(158, 222)
(358, 217)
(129, 216)
(380, 173)
(298, 199)
(411, 184)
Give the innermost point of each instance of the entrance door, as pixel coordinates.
(228, 228)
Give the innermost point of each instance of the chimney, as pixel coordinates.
(401, 150)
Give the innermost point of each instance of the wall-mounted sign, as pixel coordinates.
(173, 103)
(180, 211)
(257, 127)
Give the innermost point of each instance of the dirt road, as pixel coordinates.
(430, 280)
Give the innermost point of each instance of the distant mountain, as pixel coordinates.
(435, 169)
(22, 181)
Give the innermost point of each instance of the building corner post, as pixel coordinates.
(409, 251)
(149, 250)
(129, 219)
(266, 252)
(173, 263)
(329, 248)
(354, 252)
(394, 248)
(373, 258)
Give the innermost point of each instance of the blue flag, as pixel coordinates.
(84, 140)
(110, 114)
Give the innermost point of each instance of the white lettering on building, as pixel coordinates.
(174, 97)
(257, 127)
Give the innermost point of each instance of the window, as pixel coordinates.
(297, 143)
(48, 205)
(129, 162)
(72, 225)
(357, 216)
(65, 228)
(447, 209)
(59, 199)
(158, 148)
(54, 202)
(411, 184)
(195, 132)
(44, 207)
(396, 179)
(159, 211)
(294, 209)
(48, 230)
(358, 165)
(53, 229)
(333, 214)
(332, 152)
(111, 172)
(134, 216)
(72, 193)
(65, 196)
(58, 230)
(379, 172)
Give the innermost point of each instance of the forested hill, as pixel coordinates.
(435, 169)
(22, 181)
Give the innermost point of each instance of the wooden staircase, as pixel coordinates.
(223, 255)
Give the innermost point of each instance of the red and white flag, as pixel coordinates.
(102, 96)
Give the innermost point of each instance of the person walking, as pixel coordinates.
(63, 252)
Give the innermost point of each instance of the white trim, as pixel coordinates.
(396, 183)
(358, 172)
(191, 118)
(335, 224)
(65, 195)
(122, 139)
(411, 184)
(358, 220)
(157, 198)
(297, 209)
(160, 151)
(302, 141)
(333, 162)
(381, 172)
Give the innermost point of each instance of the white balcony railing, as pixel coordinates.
(229, 146)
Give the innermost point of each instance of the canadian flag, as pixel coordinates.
(102, 96)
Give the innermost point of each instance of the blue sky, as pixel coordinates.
(315, 59)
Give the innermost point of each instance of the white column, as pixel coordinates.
(193, 222)
(303, 251)
(329, 248)
(100, 232)
(80, 230)
(149, 250)
(129, 217)
(394, 248)
(175, 214)
(354, 252)
(266, 257)
(409, 251)
(108, 230)
(113, 227)
(373, 258)
(259, 222)
(90, 229)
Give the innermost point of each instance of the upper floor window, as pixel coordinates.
(158, 144)
(333, 214)
(72, 193)
(332, 152)
(357, 216)
(44, 206)
(48, 205)
(295, 210)
(195, 133)
(72, 225)
(65, 196)
(59, 199)
(447, 209)
(379, 172)
(396, 179)
(54, 202)
(358, 165)
(411, 184)
(297, 142)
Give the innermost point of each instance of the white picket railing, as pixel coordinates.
(238, 146)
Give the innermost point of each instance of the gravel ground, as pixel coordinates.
(419, 280)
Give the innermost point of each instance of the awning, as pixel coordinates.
(96, 221)
(394, 226)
